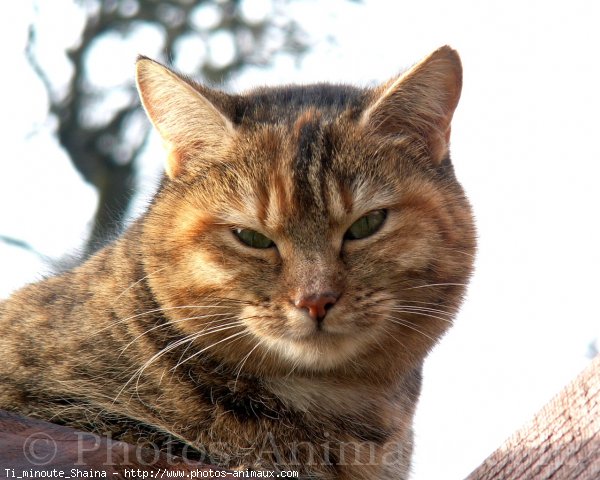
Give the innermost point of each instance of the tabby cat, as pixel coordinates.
(272, 308)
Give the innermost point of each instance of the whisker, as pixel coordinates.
(206, 331)
(433, 311)
(173, 322)
(239, 370)
(436, 285)
(423, 314)
(195, 354)
(405, 323)
(138, 281)
(436, 304)
(156, 310)
(200, 334)
(397, 340)
(457, 251)
(425, 309)
(188, 338)
(292, 369)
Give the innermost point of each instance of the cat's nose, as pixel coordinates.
(317, 304)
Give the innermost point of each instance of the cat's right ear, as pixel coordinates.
(421, 100)
(191, 126)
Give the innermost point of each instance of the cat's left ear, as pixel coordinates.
(192, 127)
(422, 100)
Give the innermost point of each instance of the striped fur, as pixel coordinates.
(179, 331)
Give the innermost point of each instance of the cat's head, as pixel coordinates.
(314, 226)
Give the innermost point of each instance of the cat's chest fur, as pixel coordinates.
(318, 397)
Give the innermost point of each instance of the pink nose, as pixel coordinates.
(318, 304)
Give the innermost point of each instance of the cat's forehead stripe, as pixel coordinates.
(308, 130)
(309, 162)
(345, 196)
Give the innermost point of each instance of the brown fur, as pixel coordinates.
(179, 330)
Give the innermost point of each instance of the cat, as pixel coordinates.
(272, 308)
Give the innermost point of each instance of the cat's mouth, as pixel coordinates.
(318, 334)
(304, 341)
(327, 330)
(320, 349)
(307, 330)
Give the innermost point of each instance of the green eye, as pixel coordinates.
(366, 225)
(252, 238)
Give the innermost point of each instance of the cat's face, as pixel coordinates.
(315, 236)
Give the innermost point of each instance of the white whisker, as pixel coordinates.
(138, 281)
(243, 362)
(405, 323)
(188, 338)
(173, 322)
(156, 310)
(436, 285)
(424, 309)
(423, 314)
(195, 354)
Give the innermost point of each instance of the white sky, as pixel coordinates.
(525, 146)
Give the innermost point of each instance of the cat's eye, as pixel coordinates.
(366, 225)
(252, 238)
